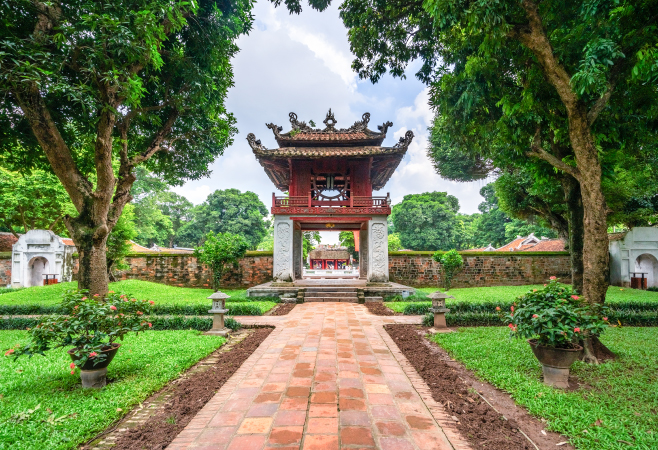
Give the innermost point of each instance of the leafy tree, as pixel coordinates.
(489, 228)
(465, 233)
(451, 262)
(267, 244)
(394, 243)
(151, 225)
(426, 221)
(220, 250)
(118, 242)
(31, 201)
(229, 211)
(346, 239)
(569, 83)
(310, 239)
(178, 209)
(93, 89)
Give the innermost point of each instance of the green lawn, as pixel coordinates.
(622, 395)
(67, 414)
(163, 295)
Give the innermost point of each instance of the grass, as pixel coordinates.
(170, 298)
(68, 415)
(622, 395)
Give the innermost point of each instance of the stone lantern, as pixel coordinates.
(218, 310)
(439, 308)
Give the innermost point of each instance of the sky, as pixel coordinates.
(302, 63)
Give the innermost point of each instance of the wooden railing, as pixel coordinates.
(352, 202)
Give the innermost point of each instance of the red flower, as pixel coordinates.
(497, 308)
(139, 313)
(83, 298)
(73, 372)
(110, 292)
(151, 302)
(92, 354)
(113, 308)
(75, 307)
(605, 319)
(534, 316)
(96, 295)
(575, 297)
(553, 278)
(150, 326)
(576, 330)
(512, 308)
(9, 352)
(72, 366)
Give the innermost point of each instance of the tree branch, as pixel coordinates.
(538, 151)
(158, 139)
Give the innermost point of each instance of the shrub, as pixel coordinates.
(232, 324)
(416, 309)
(653, 289)
(451, 262)
(90, 325)
(218, 251)
(428, 320)
(555, 316)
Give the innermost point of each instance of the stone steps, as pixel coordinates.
(331, 294)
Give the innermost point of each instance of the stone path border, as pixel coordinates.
(327, 377)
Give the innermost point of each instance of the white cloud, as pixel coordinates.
(196, 194)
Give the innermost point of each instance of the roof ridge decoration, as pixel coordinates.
(330, 121)
(406, 140)
(254, 143)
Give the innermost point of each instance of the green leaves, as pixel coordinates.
(218, 251)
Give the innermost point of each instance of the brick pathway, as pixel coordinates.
(327, 377)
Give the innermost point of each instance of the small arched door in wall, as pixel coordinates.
(648, 264)
(35, 269)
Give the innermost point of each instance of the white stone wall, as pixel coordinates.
(283, 249)
(378, 249)
(38, 252)
(636, 252)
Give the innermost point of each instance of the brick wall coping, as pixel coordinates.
(151, 254)
(467, 253)
(5, 255)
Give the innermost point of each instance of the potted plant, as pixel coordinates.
(555, 320)
(91, 326)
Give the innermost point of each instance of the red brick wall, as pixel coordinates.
(5, 271)
(481, 270)
(183, 270)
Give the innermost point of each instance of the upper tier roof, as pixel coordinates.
(302, 135)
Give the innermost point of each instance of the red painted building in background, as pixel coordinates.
(329, 176)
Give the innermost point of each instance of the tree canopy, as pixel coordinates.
(227, 211)
(92, 89)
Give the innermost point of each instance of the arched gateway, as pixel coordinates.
(330, 175)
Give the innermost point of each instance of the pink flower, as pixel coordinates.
(512, 308)
(72, 365)
(497, 308)
(9, 352)
(92, 354)
(512, 327)
(75, 307)
(73, 372)
(553, 278)
(113, 308)
(83, 298)
(534, 290)
(534, 316)
(139, 313)
(576, 330)
(96, 295)
(575, 297)
(605, 319)
(151, 302)
(110, 292)
(150, 326)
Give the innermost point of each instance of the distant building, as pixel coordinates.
(325, 257)
(634, 258)
(530, 243)
(41, 257)
(136, 248)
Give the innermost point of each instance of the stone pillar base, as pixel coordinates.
(94, 379)
(555, 377)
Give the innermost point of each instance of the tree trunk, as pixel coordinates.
(92, 272)
(576, 230)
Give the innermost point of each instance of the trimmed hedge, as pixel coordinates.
(235, 309)
(467, 253)
(159, 323)
(422, 307)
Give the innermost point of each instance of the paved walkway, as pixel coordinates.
(327, 377)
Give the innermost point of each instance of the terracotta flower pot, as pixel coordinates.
(555, 362)
(95, 375)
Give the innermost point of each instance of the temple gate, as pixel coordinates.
(330, 175)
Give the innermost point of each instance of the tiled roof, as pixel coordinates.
(320, 136)
(324, 152)
(512, 246)
(7, 240)
(68, 242)
(136, 248)
(548, 245)
(617, 236)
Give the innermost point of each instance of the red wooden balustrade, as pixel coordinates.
(308, 201)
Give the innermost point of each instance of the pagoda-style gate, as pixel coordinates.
(330, 175)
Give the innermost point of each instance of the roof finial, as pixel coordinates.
(330, 121)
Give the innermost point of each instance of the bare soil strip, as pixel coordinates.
(282, 309)
(379, 309)
(480, 421)
(177, 403)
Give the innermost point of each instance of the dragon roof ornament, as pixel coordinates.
(405, 140)
(330, 123)
(254, 143)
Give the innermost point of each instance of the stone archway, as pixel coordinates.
(36, 268)
(648, 263)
